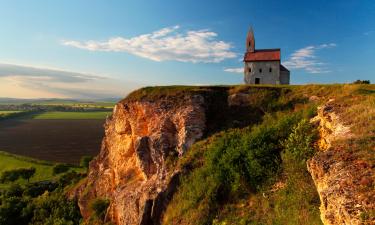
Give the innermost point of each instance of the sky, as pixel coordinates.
(93, 49)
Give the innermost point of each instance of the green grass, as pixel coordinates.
(8, 112)
(43, 168)
(71, 115)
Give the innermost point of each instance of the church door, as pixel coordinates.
(257, 80)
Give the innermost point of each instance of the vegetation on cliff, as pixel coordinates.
(257, 174)
(31, 193)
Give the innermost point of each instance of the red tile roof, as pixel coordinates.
(263, 55)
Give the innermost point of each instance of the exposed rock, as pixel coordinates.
(338, 173)
(131, 169)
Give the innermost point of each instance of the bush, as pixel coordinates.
(85, 161)
(13, 175)
(39, 188)
(99, 206)
(60, 168)
(70, 178)
(299, 145)
(235, 162)
(361, 82)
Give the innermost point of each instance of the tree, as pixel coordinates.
(27, 173)
(361, 82)
(60, 168)
(13, 175)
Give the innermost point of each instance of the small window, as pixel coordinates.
(257, 80)
(249, 70)
(260, 70)
(270, 70)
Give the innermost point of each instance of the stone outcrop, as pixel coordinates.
(343, 180)
(132, 168)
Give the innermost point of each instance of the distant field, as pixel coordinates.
(71, 115)
(43, 168)
(8, 112)
(58, 140)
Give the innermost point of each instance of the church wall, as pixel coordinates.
(284, 77)
(266, 77)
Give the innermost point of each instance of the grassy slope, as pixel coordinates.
(71, 115)
(43, 168)
(295, 201)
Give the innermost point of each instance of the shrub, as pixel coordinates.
(60, 168)
(13, 175)
(38, 188)
(235, 162)
(85, 161)
(99, 206)
(69, 178)
(361, 82)
(299, 145)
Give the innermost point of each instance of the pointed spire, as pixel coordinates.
(250, 41)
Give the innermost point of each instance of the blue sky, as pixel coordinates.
(94, 48)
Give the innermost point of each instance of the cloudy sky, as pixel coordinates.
(100, 49)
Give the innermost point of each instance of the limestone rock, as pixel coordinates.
(131, 169)
(337, 172)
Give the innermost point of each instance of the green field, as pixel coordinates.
(8, 112)
(71, 115)
(43, 168)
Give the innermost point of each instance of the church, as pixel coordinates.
(263, 66)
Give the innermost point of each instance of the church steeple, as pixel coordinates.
(250, 41)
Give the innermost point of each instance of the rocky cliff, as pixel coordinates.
(131, 169)
(343, 180)
(143, 137)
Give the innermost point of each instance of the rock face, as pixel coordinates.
(339, 175)
(132, 167)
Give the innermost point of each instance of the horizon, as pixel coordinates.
(78, 50)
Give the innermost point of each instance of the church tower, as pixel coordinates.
(250, 41)
(263, 66)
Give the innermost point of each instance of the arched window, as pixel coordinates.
(249, 70)
(260, 70)
(270, 69)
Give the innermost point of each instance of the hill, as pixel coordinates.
(237, 155)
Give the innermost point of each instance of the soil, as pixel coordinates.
(53, 140)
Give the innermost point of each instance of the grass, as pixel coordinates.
(8, 112)
(215, 188)
(43, 168)
(71, 115)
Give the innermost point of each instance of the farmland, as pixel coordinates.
(52, 139)
(44, 169)
(72, 115)
(55, 130)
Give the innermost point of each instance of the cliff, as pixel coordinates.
(150, 134)
(342, 176)
(143, 137)
(131, 169)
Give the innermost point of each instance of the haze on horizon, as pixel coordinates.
(102, 49)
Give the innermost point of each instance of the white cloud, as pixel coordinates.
(306, 59)
(234, 70)
(166, 44)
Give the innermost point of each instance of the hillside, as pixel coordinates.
(236, 155)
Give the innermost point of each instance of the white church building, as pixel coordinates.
(263, 66)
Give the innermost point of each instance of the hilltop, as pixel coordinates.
(236, 155)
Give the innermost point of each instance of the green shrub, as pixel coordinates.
(361, 82)
(235, 162)
(299, 145)
(13, 175)
(60, 168)
(99, 207)
(85, 161)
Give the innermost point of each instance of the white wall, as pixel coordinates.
(266, 77)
